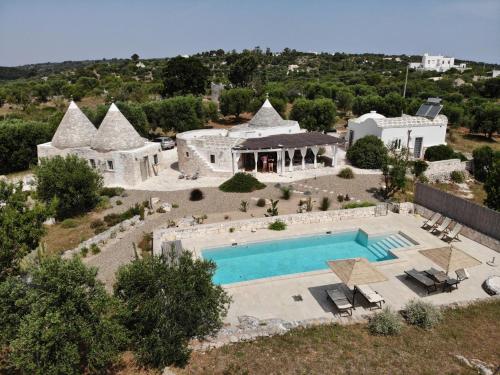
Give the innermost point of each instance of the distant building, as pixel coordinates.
(120, 154)
(495, 73)
(437, 63)
(413, 132)
(216, 91)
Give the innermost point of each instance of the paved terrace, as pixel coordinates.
(272, 298)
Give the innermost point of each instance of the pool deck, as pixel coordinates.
(272, 297)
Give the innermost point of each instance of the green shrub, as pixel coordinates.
(277, 225)
(113, 219)
(241, 183)
(442, 152)
(111, 191)
(325, 204)
(84, 251)
(231, 230)
(457, 176)
(69, 223)
(340, 198)
(261, 202)
(273, 210)
(286, 192)
(386, 323)
(346, 173)
(368, 153)
(119, 202)
(483, 161)
(358, 204)
(423, 179)
(196, 195)
(71, 181)
(103, 203)
(94, 249)
(244, 206)
(422, 314)
(419, 167)
(175, 205)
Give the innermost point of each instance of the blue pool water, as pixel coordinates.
(295, 255)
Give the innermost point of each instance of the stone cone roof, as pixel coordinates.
(267, 116)
(74, 130)
(116, 133)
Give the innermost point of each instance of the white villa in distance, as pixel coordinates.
(427, 128)
(267, 143)
(122, 156)
(437, 63)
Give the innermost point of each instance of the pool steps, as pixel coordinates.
(394, 241)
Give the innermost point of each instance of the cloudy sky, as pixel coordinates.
(34, 31)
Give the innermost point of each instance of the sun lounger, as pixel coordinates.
(442, 279)
(441, 227)
(462, 274)
(370, 295)
(431, 222)
(450, 235)
(422, 279)
(340, 300)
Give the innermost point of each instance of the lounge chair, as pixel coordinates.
(450, 235)
(431, 222)
(462, 274)
(340, 300)
(441, 278)
(422, 279)
(441, 227)
(370, 295)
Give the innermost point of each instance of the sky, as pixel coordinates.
(35, 31)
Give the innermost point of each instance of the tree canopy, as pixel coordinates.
(184, 76)
(368, 153)
(235, 101)
(317, 114)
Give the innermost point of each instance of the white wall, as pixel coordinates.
(432, 135)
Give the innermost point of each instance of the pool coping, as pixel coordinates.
(400, 255)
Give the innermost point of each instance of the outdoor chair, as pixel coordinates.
(369, 294)
(422, 279)
(462, 274)
(431, 222)
(340, 300)
(441, 227)
(450, 235)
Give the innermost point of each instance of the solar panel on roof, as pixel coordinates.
(423, 110)
(429, 110)
(434, 111)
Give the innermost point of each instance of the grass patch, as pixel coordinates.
(346, 173)
(357, 204)
(241, 183)
(111, 192)
(462, 141)
(473, 331)
(69, 223)
(59, 238)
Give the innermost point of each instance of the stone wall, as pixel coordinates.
(441, 170)
(169, 234)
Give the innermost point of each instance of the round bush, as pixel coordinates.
(277, 225)
(385, 323)
(422, 314)
(346, 173)
(368, 153)
(241, 183)
(457, 176)
(440, 152)
(196, 195)
(261, 202)
(419, 167)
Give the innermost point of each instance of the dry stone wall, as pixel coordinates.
(441, 170)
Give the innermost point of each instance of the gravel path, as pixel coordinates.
(220, 206)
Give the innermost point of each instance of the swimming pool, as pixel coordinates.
(301, 254)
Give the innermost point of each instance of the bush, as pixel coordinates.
(94, 249)
(325, 204)
(419, 167)
(277, 225)
(69, 223)
(84, 251)
(457, 176)
(286, 192)
(440, 152)
(422, 314)
(261, 202)
(368, 153)
(119, 202)
(358, 204)
(340, 198)
(346, 173)
(244, 206)
(18, 141)
(241, 183)
(71, 181)
(483, 161)
(196, 195)
(385, 323)
(111, 192)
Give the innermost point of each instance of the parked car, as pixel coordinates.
(167, 143)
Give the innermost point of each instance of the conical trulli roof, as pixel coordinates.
(116, 133)
(74, 130)
(266, 116)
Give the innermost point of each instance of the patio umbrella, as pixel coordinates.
(450, 258)
(356, 271)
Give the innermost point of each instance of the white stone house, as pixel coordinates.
(437, 63)
(120, 154)
(415, 133)
(267, 143)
